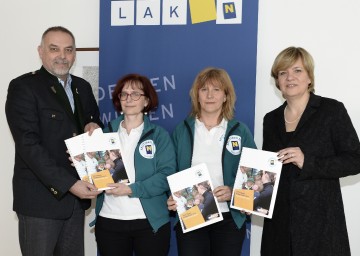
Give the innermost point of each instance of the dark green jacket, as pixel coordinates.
(183, 138)
(151, 185)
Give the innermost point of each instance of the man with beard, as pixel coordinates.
(44, 108)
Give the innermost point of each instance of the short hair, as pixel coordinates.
(116, 152)
(57, 29)
(215, 76)
(287, 58)
(271, 175)
(204, 184)
(141, 82)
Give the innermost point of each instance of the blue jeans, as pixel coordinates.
(47, 237)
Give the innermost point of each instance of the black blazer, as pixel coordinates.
(308, 217)
(40, 120)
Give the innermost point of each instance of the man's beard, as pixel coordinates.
(63, 69)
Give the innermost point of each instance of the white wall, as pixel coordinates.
(328, 29)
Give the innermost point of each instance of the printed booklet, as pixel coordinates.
(192, 189)
(97, 158)
(256, 182)
(102, 153)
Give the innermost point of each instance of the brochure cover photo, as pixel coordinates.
(256, 182)
(196, 205)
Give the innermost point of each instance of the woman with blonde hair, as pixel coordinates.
(211, 135)
(317, 144)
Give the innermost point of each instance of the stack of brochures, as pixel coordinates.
(97, 158)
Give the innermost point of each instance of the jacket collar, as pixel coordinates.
(56, 89)
(190, 121)
(116, 123)
(311, 107)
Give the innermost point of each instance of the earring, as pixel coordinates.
(145, 112)
(121, 113)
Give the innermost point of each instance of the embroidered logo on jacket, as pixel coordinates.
(147, 149)
(233, 144)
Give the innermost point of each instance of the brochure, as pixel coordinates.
(102, 152)
(97, 158)
(256, 182)
(192, 189)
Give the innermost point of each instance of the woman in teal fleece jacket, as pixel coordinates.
(134, 218)
(211, 135)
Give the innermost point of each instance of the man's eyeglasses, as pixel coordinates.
(134, 95)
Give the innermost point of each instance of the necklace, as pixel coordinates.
(208, 126)
(296, 119)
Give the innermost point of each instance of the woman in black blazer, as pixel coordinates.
(317, 144)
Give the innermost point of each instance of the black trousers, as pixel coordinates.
(123, 237)
(44, 237)
(218, 239)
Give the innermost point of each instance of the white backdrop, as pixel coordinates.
(328, 29)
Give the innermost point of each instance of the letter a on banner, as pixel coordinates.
(148, 12)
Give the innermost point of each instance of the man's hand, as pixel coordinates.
(84, 190)
(90, 127)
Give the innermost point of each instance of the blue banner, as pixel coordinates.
(170, 41)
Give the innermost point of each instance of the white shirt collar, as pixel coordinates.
(221, 125)
(138, 129)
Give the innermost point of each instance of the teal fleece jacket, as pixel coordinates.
(150, 185)
(237, 136)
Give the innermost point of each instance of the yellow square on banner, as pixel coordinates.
(202, 10)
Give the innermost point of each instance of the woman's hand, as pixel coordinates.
(118, 189)
(245, 212)
(292, 155)
(223, 193)
(171, 204)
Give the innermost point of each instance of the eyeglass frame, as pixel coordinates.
(132, 94)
